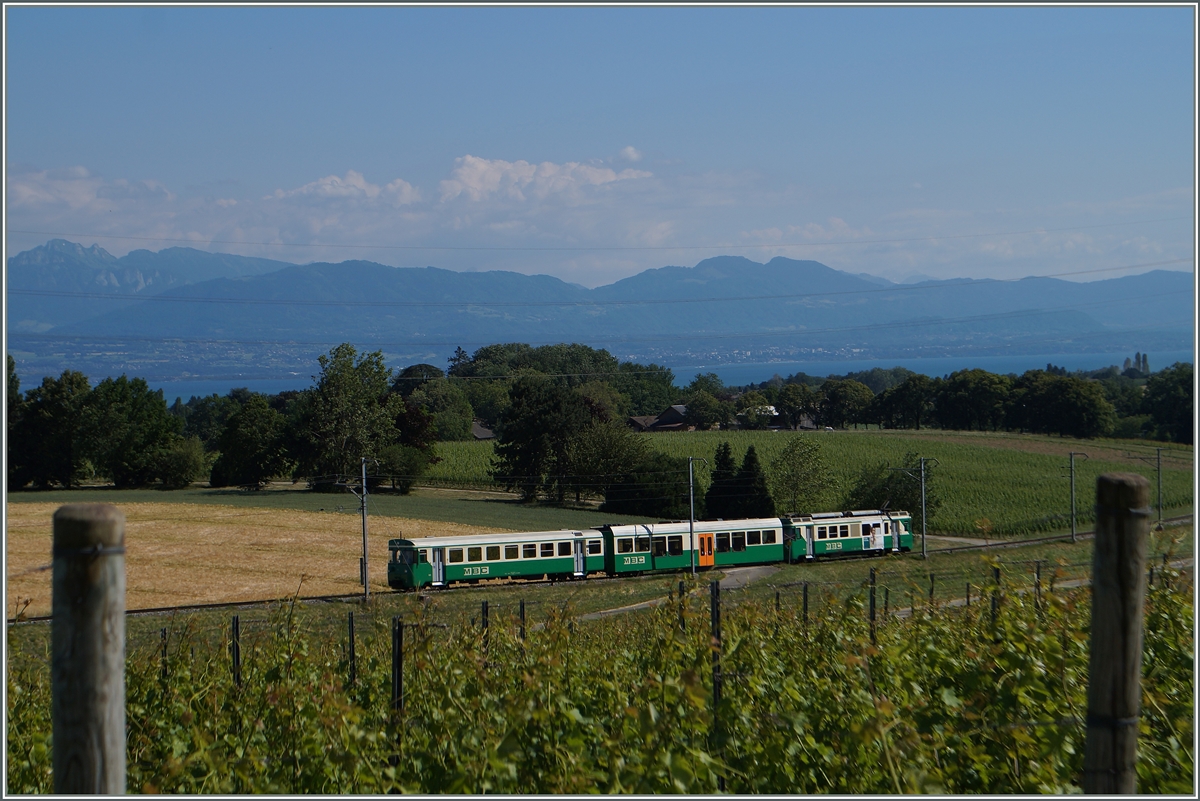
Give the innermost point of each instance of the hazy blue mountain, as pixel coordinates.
(52, 284)
(258, 315)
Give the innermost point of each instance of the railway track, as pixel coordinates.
(1171, 521)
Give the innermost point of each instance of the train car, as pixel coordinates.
(866, 532)
(673, 546)
(441, 561)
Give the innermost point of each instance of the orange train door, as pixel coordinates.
(705, 543)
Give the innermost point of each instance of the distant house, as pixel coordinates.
(480, 431)
(672, 419)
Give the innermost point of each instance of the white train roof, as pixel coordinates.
(500, 538)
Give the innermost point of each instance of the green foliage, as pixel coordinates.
(17, 475)
(795, 402)
(600, 455)
(348, 415)
(253, 447)
(127, 430)
(973, 400)
(704, 411)
(898, 486)
(49, 442)
(1170, 403)
(843, 401)
(182, 463)
(400, 465)
(206, 417)
(447, 406)
(533, 440)
(944, 702)
(719, 501)
(656, 487)
(799, 478)
(1059, 404)
(753, 410)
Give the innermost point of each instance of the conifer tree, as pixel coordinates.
(721, 493)
(753, 498)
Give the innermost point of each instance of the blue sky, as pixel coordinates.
(593, 143)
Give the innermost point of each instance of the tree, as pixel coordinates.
(878, 486)
(1169, 402)
(206, 417)
(182, 463)
(602, 454)
(704, 411)
(450, 412)
(719, 499)
(253, 446)
(753, 498)
(650, 388)
(844, 401)
(656, 487)
(533, 438)
(800, 477)
(414, 377)
(605, 400)
(710, 383)
(754, 411)
(973, 400)
(18, 475)
(402, 465)
(1063, 405)
(349, 414)
(796, 402)
(52, 448)
(127, 430)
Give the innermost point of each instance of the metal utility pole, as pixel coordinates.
(692, 512)
(362, 498)
(1158, 454)
(1073, 455)
(907, 472)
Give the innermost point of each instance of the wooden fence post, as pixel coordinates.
(1115, 659)
(87, 665)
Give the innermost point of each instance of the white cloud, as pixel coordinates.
(631, 153)
(480, 179)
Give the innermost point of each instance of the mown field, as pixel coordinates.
(1005, 484)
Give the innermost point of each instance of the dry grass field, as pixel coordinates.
(178, 553)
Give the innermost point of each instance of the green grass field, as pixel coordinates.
(1016, 483)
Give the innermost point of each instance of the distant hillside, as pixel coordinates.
(232, 314)
(66, 268)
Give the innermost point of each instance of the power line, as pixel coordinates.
(599, 248)
(563, 303)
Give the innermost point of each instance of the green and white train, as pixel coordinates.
(645, 548)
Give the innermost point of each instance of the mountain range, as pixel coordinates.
(183, 312)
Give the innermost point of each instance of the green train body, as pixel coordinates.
(645, 548)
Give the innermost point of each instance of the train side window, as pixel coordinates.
(529, 550)
(769, 537)
(753, 537)
(660, 546)
(423, 556)
(887, 529)
(845, 532)
(547, 549)
(625, 545)
(456, 554)
(512, 551)
(595, 546)
(643, 543)
(564, 549)
(475, 554)
(723, 543)
(820, 532)
(493, 553)
(739, 540)
(675, 544)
